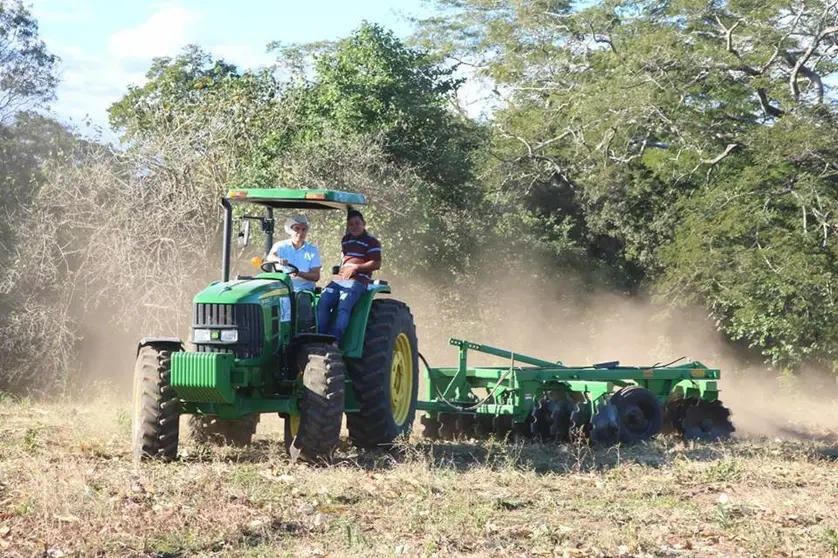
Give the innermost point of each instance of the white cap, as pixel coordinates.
(295, 220)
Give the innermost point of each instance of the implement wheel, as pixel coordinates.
(209, 429)
(640, 414)
(385, 378)
(314, 434)
(156, 418)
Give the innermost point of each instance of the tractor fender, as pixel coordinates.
(352, 344)
(172, 343)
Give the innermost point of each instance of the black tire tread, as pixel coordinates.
(322, 404)
(629, 394)
(159, 420)
(373, 426)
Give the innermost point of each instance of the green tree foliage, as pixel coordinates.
(681, 147)
(27, 69)
(689, 145)
(174, 87)
(366, 90)
(759, 245)
(371, 83)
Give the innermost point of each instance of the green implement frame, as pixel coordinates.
(516, 393)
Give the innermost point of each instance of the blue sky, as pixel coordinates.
(105, 45)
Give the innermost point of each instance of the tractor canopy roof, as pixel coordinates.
(297, 198)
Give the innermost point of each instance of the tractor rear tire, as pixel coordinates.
(314, 434)
(156, 419)
(385, 378)
(209, 429)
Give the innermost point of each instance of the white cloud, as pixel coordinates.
(165, 33)
(89, 85)
(92, 80)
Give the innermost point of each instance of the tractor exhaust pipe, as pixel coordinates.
(228, 233)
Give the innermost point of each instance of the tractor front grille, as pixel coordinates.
(246, 318)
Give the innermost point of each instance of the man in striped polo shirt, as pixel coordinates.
(361, 257)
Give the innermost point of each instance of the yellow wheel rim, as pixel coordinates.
(294, 424)
(401, 379)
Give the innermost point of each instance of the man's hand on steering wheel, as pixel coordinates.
(272, 266)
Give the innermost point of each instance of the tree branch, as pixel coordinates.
(766, 105)
(729, 35)
(715, 160)
(801, 62)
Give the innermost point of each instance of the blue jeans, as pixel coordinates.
(340, 294)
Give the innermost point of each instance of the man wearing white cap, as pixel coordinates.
(299, 253)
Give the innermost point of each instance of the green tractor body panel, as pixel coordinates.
(203, 377)
(233, 385)
(352, 344)
(241, 291)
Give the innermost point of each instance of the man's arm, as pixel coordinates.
(273, 255)
(373, 264)
(312, 275)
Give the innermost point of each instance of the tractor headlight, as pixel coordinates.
(201, 336)
(230, 335)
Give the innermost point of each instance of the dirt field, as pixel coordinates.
(69, 488)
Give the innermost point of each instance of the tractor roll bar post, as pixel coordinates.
(228, 233)
(268, 228)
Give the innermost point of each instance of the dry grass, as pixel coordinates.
(69, 488)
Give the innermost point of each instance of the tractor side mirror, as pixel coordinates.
(244, 234)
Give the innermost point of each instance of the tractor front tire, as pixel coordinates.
(314, 434)
(385, 378)
(156, 418)
(209, 429)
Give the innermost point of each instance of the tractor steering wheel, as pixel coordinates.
(274, 267)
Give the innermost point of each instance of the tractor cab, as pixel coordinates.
(304, 306)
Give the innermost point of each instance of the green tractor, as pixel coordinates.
(255, 348)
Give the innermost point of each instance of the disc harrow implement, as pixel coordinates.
(539, 400)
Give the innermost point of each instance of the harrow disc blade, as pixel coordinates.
(580, 421)
(541, 419)
(706, 421)
(484, 426)
(448, 427)
(430, 427)
(605, 425)
(673, 415)
(502, 426)
(561, 421)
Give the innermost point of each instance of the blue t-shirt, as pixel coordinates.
(304, 258)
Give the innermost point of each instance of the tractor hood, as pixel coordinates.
(242, 291)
